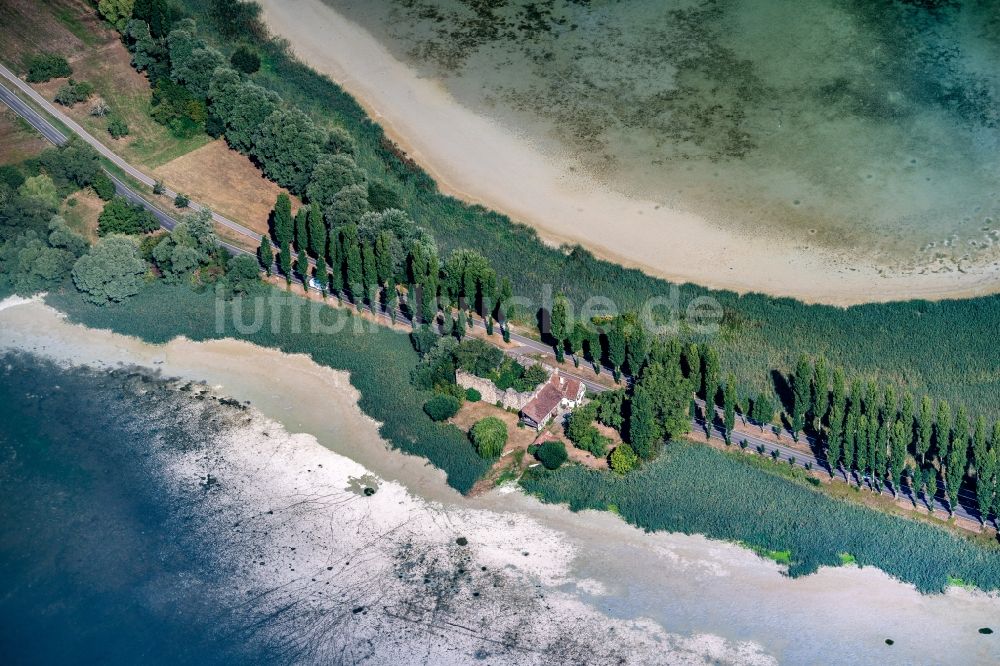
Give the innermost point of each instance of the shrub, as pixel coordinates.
(181, 201)
(99, 108)
(472, 395)
(489, 435)
(441, 407)
(111, 272)
(245, 60)
(623, 459)
(46, 66)
(103, 187)
(158, 187)
(117, 127)
(552, 454)
(73, 92)
(119, 217)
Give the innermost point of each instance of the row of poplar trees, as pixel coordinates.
(875, 435)
(369, 270)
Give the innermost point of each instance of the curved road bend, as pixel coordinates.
(54, 135)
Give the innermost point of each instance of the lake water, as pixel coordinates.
(854, 125)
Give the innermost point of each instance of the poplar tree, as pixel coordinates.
(594, 348)
(729, 407)
(336, 275)
(638, 348)
(559, 324)
(285, 262)
(820, 391)
(838, 408)
(980, 445)
(986, 482)
(281, 217)
(505, 305)
(302, 229)
(850, 439)
(616, 346)
(351, 252)
(958, 457)
(897, 458)
(880, 458)
(576, 338)
(931, 485)
(890, 408)
(801, 393)
(763, 410)
(925, 428)
(861, 452)
(692, 366)
(265, 254)
(383, 258)
(317, 232)
(302, 267)
(942, 431)
(709, 378)
(369, 273)
(392, 302)
(906, 414)
(834, 439)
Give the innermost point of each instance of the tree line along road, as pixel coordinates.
(801, 456)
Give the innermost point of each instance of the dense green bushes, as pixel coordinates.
(378, 359)
(442, 407)
(73, 92)
(121, 217)
(696, 489)
(46, 66)
(552, 454)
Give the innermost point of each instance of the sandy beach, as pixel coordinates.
(475, 159)
(293, 501)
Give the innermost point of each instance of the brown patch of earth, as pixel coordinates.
(82, 215)
(226, 181)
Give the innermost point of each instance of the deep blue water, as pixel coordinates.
(95, 563)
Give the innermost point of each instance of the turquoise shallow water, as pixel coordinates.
(854, 124)
(97, 563)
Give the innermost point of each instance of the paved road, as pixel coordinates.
(102, 149)
(54, 135)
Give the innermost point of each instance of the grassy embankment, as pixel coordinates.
(944, 348)
(690, 489)
(382, 360)
(698, 490)
(379, 360)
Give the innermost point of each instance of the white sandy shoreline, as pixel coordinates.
(706, 600)
(475, 160)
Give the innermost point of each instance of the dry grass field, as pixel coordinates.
(17, 140)
(225, 180)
